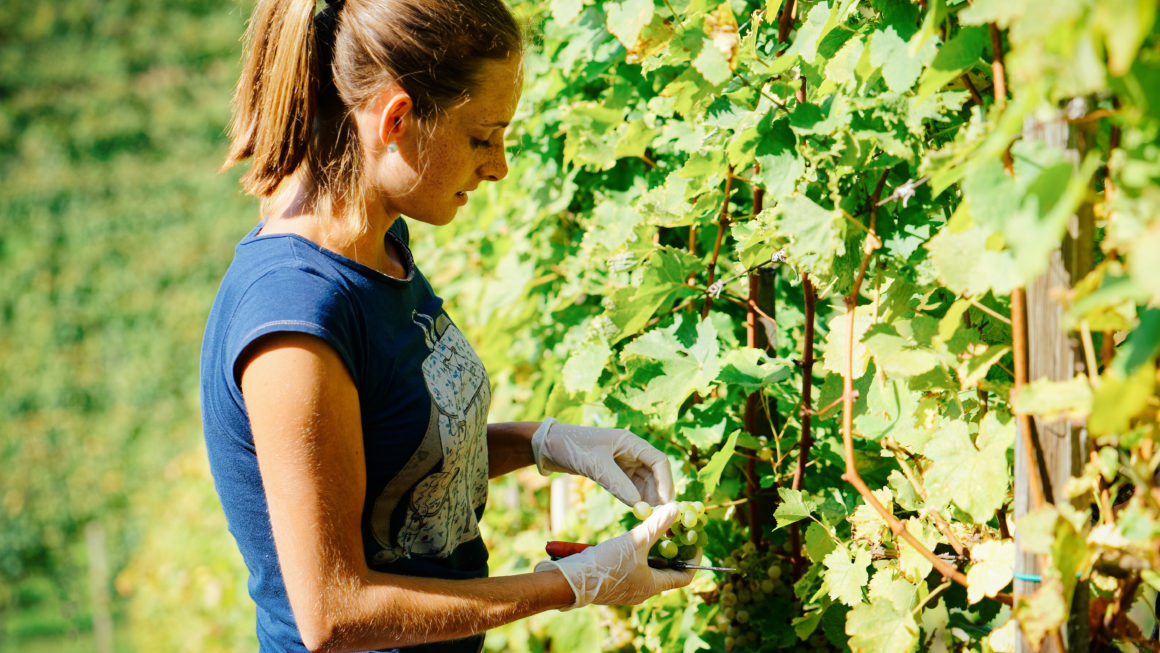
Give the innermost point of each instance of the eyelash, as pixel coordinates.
(481, 144)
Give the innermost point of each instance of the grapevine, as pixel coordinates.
(850, 418)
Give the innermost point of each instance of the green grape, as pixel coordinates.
(642, 510)
(690, 518)
(689, 537)
(774, 572)
(765, 453)
(668, 549)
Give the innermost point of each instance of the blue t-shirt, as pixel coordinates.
(423, 394)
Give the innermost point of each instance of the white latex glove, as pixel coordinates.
(625, 465)
(616, 572)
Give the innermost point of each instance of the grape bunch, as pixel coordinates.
(759, 582)
(681, 540)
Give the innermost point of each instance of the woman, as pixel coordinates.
(344, 414)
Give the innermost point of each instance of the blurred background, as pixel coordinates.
(116, 228)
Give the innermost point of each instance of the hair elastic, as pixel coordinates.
(337, 4)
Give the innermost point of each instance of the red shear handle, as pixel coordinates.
(556, 549)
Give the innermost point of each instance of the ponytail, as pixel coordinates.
(275, 101)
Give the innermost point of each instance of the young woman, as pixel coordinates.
(344, 413)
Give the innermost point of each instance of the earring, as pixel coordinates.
(392, 148)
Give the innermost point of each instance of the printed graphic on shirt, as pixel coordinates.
(445, 480)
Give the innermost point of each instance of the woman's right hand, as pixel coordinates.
(616, 572)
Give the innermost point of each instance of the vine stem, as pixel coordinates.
(851, 475)
(751, 331)
(722, 225)
(806, 440)
(999, 73)
(988, 310)
(971, 88)
(785, 21)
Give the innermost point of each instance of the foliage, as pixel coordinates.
(116, 230)
(666, 150)
(663, 152)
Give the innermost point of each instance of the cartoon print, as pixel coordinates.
(445, 481)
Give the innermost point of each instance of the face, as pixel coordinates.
(433, 171)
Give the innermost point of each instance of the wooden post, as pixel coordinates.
(99, 587)
(1053, 354)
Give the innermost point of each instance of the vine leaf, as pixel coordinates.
(685, 369)
(793, 507)
(993, 568)
(913, 565)
(899, 68)
(896, 351)
(710, 474)
(627, 18)
(867, 525)
(974, 480)
(880, 627)
(819, 544)
(884, 586)
(816, 235)
(1117, 400)
(834, 351)
(751, 369)
(1053, 400)
(954, 58)
(584, 366)
(845, 576)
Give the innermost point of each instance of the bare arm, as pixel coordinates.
(509, 447)
(304, 414)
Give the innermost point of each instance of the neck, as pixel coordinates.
(288, 213)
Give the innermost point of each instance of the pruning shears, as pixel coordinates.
(557, 550)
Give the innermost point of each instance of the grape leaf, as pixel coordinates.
(992, 569)
(913, 565)
(627, 17)
(584, 366)
(712, 65)
(752, 369)
(880, 627)
(845, 576)
(816, 235)
(710, 474)
(684, 369)
(819, 544)
(896, 351)
(794, 506)
(1118, 400)
(900, 68)
(953, 59)
(817, 24)
(974, 480)
(1053, 400)
(884, 586)
(837, 342)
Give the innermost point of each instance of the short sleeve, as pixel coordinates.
(290, 299)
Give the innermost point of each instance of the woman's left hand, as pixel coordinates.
(624, 464)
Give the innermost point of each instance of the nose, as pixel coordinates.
(495, 167)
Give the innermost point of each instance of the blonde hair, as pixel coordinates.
(304, 73)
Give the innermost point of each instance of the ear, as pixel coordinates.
(395, 106)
